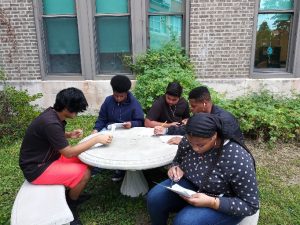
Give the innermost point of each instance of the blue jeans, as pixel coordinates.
(161, 202)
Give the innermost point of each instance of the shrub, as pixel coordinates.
(16, 112)
(267, 117)
(155, 69)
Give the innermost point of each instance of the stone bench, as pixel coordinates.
(41, 205)
(250, 220)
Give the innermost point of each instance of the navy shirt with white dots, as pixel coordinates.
(233, 175)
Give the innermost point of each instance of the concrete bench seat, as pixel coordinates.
(41, 205)
(250, 220)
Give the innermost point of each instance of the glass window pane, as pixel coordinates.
(54, 7)
(62, 45)
(166, 6)
(164, 28)
(113, 39)
(111, 6)
(272, 40)
(276, 4)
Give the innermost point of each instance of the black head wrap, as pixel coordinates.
(204, 125)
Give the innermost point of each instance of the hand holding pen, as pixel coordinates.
(175, 173)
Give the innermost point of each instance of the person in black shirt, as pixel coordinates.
(46, 156)
(200, 101)
(170, 109)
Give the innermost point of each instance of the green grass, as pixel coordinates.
(279, 200)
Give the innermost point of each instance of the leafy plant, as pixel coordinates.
(157, 68)
(267, 117)
(16, 112)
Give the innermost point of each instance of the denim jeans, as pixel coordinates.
(161, 202)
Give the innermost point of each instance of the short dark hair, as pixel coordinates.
(72, 99)
(200, 93)
(120, 83)
(174, 89)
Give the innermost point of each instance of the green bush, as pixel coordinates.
(16, 112)
(155, 69)
(267, 117)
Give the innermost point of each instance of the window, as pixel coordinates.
(165, 22)
(274, 34)
(87, 39)
(61, 37)
(113, 35)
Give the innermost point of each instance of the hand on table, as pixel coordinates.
(127, 125)
(94, 131)
(105, 138)
(159, 130)
(174, 140)
(175, 173)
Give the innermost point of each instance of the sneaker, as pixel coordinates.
(118, 175)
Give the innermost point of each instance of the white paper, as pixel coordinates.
(181, 190)
(116, 125)
(166, 138)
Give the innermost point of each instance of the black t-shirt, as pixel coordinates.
(161, 111)
(43, 139)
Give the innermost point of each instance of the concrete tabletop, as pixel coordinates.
(131, 149)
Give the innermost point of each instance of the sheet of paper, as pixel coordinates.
(117, 125)
(181, 190)
(166, 138)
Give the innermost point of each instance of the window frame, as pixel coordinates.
(184, 30)
(85, 12)
(292, 58)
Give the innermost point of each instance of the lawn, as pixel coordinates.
(278, 172)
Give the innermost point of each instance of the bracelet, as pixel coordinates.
(215, 203)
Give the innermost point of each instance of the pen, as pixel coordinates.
(173, 177)
(163, 125)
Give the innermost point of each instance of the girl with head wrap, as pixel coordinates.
(220, 169)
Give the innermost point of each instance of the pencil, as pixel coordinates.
(163, 125)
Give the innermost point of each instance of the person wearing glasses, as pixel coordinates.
(120, 107)
(169, 109)
(219, 168)
(200, 101)
(46, 157)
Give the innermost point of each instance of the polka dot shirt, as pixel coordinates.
(233, 175)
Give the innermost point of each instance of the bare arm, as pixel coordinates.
(71, 151)
(152, 123)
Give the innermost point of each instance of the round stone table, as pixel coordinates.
(132, 150)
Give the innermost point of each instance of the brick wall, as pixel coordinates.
(221, 37)
(18, 43)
